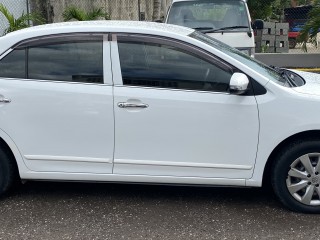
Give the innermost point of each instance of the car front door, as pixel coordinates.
(60, 113)
(174, 115)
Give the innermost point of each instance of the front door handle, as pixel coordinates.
(132, 105)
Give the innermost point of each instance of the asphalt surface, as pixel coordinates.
(44, 210)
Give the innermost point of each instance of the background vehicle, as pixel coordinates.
(225, 20)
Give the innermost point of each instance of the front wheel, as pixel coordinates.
(296, 178)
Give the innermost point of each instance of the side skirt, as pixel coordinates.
(83, 177)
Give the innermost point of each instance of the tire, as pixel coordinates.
(8, 172)
(295, 178)
(292, 43)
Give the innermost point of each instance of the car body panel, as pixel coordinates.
(294, 114)
(184, 133)
(53, 123)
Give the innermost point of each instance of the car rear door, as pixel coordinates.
(59, 108)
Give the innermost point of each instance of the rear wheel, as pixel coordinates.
(296, 178)
(292, 43)
(8, 172)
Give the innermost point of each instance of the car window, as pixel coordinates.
(61, 58)
(73, 62)
(13, 65)
(253, 63)
(166, 66)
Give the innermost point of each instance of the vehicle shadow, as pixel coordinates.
(248, 198)
(48, 210)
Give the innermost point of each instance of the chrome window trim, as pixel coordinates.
(173, 89)
(52, 81)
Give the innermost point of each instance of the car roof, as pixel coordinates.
(106, 26)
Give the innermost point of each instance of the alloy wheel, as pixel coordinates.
(303, 179)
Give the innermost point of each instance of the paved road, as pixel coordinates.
(40, 210)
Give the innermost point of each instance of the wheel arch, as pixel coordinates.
(310, 134)
(13, 152)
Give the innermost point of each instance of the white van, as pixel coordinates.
(226, 20)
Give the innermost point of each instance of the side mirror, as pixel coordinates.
(258, 24)
(238, 83)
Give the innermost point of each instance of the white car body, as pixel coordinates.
(76, 131)
(241, 39)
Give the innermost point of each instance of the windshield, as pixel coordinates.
(204, 15)
(269, 72)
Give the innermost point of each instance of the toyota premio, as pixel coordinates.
(118, 101)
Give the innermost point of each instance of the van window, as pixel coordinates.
(226, 15)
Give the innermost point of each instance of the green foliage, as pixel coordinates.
(20, 22)
(74, 13)
(260, 9)
(310, 29)
(277, 9)
(271, 9)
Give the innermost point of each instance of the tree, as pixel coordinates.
(44, 8)
(260, 9)
(294, 3)
(311, 27)
(278, 7)
(156, 10)
(272, 9)
(21, 22)
(74, 13)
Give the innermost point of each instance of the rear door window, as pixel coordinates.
(61, 58)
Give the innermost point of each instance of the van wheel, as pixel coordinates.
(292, 43)
(8, 172)
(295, 177)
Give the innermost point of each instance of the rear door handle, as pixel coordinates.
(4, 100)
(132, 105)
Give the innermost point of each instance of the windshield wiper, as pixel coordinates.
(286, 75)
(223, 28)
(203, 28)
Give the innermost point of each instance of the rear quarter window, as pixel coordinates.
(13, 65)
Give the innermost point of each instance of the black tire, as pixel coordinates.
(292, 43)
(8, 172)
(280, 171)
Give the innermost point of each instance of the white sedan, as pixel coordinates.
(153, 103)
